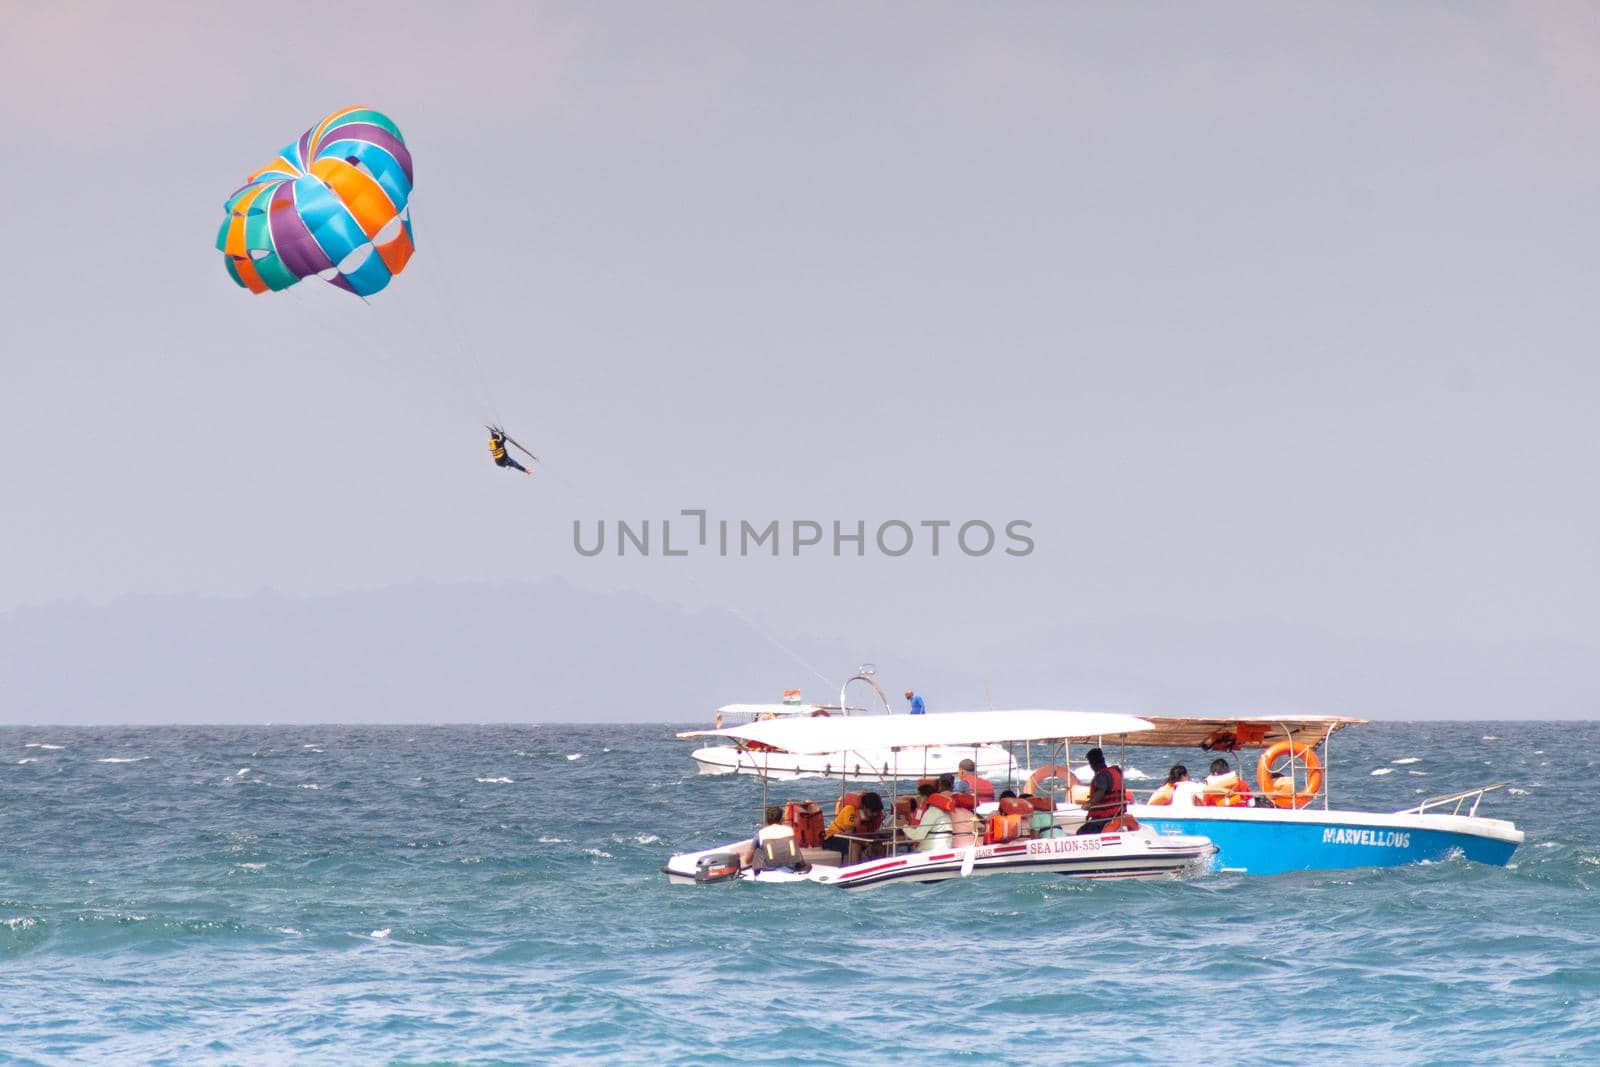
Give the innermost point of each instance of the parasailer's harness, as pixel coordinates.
(498, 439)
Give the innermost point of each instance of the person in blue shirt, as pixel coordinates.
(917, 706)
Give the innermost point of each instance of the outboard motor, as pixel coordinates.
(717, 867)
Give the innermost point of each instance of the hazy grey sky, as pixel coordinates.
(1278, 322)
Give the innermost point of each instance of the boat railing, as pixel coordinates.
(866, 674)
(1456, 801)
(1306, 800)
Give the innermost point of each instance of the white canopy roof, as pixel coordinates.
(808, 736)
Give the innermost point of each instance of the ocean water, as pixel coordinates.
(492, 893)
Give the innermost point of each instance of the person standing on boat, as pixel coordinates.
(917, 705)
(1107, 800)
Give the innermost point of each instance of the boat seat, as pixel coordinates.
(820, 857)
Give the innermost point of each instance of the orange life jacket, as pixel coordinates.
(806, 819)
(1115, 802)
(1229, 791)
(982, 788)
(947, 802)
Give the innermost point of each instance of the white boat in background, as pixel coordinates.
(994, 762)
(1044, 841)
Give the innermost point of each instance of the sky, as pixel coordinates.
(1276, 324)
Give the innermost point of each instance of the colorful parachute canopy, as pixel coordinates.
(333, 204)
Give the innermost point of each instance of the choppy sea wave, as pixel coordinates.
(339, 894)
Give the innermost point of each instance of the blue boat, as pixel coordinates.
(1285, 823)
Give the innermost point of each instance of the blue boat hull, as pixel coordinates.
(1263, 846)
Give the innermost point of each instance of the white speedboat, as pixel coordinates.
(1045, 841)
(994, 762)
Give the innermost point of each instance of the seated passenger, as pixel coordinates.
(981, 788)
(844, 822)
(1044, 815)
(919, 801)
(1012, 819)
(1224, 787)
(1178, 790)
(1279, 792)
(934, 829)
(1187, 793)
(773, 847)
(1163, 793)
(963, 820)
(859, 814)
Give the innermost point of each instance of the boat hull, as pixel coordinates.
(1124, 855)
(1276, 841)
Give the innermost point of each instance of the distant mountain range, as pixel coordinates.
(421, 652)
(554, 653)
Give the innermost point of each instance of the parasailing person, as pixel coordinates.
(502, 458)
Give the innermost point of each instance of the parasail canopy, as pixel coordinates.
(333, 204)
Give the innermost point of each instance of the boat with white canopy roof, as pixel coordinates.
(1014, 834)
(867, 763)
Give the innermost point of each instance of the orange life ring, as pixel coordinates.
(1044, 774)
(1281, 790)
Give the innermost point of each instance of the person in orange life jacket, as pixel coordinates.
(1106, 799)
(1163, 793)
(773, 845)
(853, 820)
(919, 802)
(1224, 786)
(502, 458)
(982, 789)
(1179, 790)
(1277, 785)
(963, 820)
